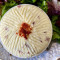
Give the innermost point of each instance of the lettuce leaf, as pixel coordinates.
(56, 36)
(0, 17)
(56, 30)
(7, 6)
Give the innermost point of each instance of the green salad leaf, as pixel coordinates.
(54, 19)
(28, 1)
(43, 5)
(34, 1)
(56, 36)
(7, 6)
(56, 30)
(0, 17)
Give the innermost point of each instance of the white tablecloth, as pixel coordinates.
(52, 54)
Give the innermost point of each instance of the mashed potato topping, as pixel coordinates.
(25, 31)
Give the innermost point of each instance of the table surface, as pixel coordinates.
(52, 54)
